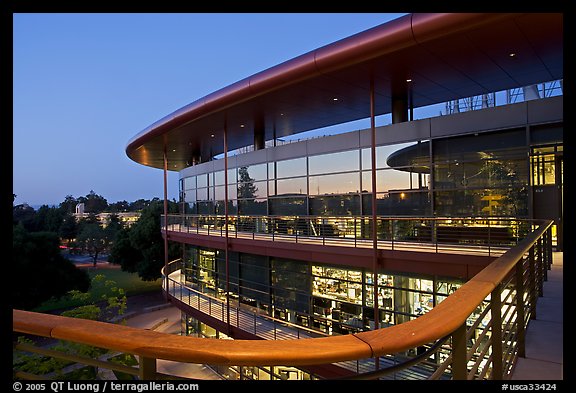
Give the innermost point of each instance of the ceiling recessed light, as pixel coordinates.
(334, 99)
(408, 80)
(241, 125)
(173, 149)
(512, 55)
(211, 135)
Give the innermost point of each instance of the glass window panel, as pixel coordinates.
(232, 192)
(334, 162)
(202, 180)
(190, 196)
(219, 178)
(232, 207)
(392, 179)
(288, 206)
(206, 207)
(252, 190)
(483, 202)
(335, 184)
(408, 203)
(219, 193)
(189, 182)
(271, 187)
(291, 186)
(481, 146)
(337, 205)
(252, 172)
(231, 175)
(291, 168)
(252, 207)
(202, 194)
(416, 154)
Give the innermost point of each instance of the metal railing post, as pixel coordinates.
(520, 308)
(532, 282)
(147, 368)
(496, 313)
(540, 267)
(459, 353)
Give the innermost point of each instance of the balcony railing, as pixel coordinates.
(477, 332)
(480, 235)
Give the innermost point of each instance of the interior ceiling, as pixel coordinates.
(446, 56)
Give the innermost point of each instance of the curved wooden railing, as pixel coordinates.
(520, 272)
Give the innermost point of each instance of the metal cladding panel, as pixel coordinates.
(546, 110)
(488, 119)
(285, 152)
(251, 158)
(333, 143)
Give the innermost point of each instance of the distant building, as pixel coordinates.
(126, 218)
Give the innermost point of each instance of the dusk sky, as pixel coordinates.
(85, 84)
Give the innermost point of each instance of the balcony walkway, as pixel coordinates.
(544, 337)
(396, 245)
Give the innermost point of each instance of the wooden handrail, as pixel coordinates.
(441, 321)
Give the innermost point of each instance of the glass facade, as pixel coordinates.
(474, 175)
(329, 299)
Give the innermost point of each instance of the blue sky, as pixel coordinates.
(85, 84)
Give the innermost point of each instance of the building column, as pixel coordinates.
(259, 134)
(165, 157)
(401, 101)
(374, 211)
(226, 239)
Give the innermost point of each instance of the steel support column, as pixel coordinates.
(165, 157)
(374, 223)
(226, 246)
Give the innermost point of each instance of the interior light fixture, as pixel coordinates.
(512, 54)
(211, 135)
(408, 80)
(334, 99)
(241, 125)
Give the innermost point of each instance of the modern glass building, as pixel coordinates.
(281, 237)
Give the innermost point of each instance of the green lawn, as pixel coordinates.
(130, 282)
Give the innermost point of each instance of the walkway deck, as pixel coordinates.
(544, 338)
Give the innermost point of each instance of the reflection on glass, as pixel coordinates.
(202, 180)
(341, 183)
(190, 196)
(252, 206)
(337, 205)
(219, 193)
(254, 172)
(290, 168)
(382, 154)
(189, 182)
(334, 162)
(291, 186)
(252, 190)
(293, 206)
(392, 179)
(202, 194)
(219, 178)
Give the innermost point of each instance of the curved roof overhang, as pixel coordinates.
(446, 56)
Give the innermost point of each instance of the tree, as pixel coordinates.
(94, 203)
(94, 239)
(44, 272)
(123, 253)
(141, 247)
(246, 187)
(109, 306)
(69, 228)
(69, 204)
